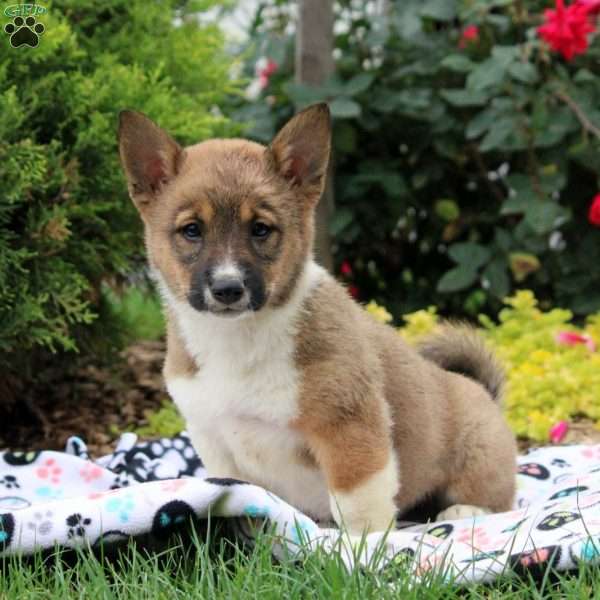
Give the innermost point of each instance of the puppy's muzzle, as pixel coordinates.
(227, 290)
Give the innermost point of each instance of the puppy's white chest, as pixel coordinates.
(239, 424)
(239, 405)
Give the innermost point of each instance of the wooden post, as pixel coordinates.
(314, 65)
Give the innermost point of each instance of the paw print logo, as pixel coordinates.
(122, 505)
(77, 524)
(24, 32)
(41, 523)
(50, 470)
(9, 482)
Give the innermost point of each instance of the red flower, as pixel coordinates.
(566, 29)
(572, 338)
(354, 291)
(558, 431)
(264, 73)
(346, 269)
(469, 34)
(594, 211)
(592, 6)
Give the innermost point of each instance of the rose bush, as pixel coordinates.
(466, 142)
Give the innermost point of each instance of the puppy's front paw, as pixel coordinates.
(461, 511)
(369, 506)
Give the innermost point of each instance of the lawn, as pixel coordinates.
(218, 569)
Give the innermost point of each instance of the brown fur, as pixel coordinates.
(364, 394)
(448, 434)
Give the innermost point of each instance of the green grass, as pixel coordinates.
(138, 311)
(222, 570)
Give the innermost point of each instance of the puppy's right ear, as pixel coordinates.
(151, 158)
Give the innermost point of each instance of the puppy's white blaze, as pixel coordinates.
(370, 506)
(239, 404)
(227, 269)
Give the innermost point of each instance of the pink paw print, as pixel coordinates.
(90, 472)
(173, 485)
(475, 536)
(428, 564)
(593, 452)
(50, 470)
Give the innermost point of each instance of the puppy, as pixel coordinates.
(283, 380)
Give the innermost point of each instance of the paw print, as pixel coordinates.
(255, 511)
(50, 470)
(10, 482)
(24, 32)
(477, 537)
(41, 522)
(591, 452)
(90, 472)
(77, 525)
(173, 485)
(49, 493)
(122, 506)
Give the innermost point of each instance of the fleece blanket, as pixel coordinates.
(156, 488)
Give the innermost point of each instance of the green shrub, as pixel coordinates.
(66, 224)
(464, 169)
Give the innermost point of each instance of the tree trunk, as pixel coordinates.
(314, 65)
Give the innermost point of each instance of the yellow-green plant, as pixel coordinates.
(547, 381)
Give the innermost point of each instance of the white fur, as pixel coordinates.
(369, 506)
(461, 511)
(239, 405)
(227, 269)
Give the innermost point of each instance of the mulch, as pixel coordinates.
(97, 403)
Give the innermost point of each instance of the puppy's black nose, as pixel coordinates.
(227, 290)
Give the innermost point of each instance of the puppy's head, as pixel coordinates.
(228, 223)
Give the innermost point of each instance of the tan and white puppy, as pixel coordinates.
(283, 380)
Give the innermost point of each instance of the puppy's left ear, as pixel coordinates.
(300, 151)
(150, 157)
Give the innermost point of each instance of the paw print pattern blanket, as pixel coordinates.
(49, 498)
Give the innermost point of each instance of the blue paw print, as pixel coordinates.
(254, 511)
(49, 493)
(590, 550)
(122, 506)
(302, 531)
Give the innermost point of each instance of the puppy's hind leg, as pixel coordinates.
(484, 478)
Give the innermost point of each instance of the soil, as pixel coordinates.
(95, 403)
(99, 403)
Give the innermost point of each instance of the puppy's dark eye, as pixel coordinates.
(191, 232)
(260, 229)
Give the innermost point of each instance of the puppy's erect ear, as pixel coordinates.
(149, 155)
(300, 151)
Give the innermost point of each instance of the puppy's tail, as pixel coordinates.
(460, 349)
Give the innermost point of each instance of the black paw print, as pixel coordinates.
(77, 525)
(10, 482)
(24, 32)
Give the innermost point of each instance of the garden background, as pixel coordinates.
(464, 184)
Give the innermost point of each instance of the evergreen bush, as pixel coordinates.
(67, 227)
